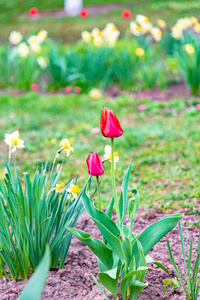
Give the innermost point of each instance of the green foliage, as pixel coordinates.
(193, 282)
(34, 287)
(33, 215)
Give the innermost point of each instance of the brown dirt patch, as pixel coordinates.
(74, 281)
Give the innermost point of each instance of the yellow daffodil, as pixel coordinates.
(156, 33)
(41, 36)
(196, 27)
(86, 36)
(139, 52)
(161, 23)
(58, 187)
(42, 62)
(95, 94)
(65, 144)
(73, 189)
(189, 49)
(107, 155)
(15, 37)
(14, 141)
(23, 50)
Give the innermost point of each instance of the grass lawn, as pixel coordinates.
(69, 29)
(162, 142)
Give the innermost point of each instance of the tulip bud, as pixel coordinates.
(110, 126)
(95, 165)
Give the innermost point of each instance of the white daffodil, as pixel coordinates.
(23, 50)
(15, 37)
(14, 141)
(86, 36)
(42, 62)
(107, 155)
(41, 36)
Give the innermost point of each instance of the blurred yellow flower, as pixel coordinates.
(95, 93)
(14, 141)
(15, 37)
(98, 41)
(196, 27)
(107, 155)
(33, 40)
(86, 36)
(42, 62)
(139, 52)
(65, 144)
(189, 49)
(58, 187)
(156, 33)
(161, 23)
(73, 189)
(23, 50)
(41, 36)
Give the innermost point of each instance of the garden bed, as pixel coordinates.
(74, 281)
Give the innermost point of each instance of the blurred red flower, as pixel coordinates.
(77, 89)
(83, 13)
(126, 14)
(34, 87)
(33, 11)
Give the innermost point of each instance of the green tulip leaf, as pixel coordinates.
(127, 250)
(151, 260)
(124, 196)
(110, 207)
(110, 279)
(128, 278)
(34, 287)
(97, 247)
(133, 204)
(136, 288)
(153, 233)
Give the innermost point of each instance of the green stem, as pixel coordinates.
(130, 228)
(98, 192)
(113, 182)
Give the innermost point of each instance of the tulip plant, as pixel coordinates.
(122, 256)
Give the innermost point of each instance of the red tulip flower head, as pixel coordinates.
(94, 164)
(83, 13)
(33, 11)
(126, 14)
(109, 124)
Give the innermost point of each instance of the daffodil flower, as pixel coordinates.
(65, 144)
(73, 189)
(58, 187)
(107, 155)
(14, 141)
(95, 93)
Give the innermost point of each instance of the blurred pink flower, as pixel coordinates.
(95, 130)
(68, 89)
(142, 107)
(197, 106)
(77, 89)
(34, 87)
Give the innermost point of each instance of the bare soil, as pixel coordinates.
(74, 281)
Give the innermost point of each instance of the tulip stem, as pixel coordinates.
(98, 192)
(114, 183)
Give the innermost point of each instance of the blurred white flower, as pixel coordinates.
(156, 33)
(35, 47)
(15, 37)
(42, 62)
(23, 50)
(86, 36)
(141, 19)
(33, 40)
(14, 141)
(95, 93)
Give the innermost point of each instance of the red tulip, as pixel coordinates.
(126, 14)
(94, 164)
(109, 124)
(33, 11)
(83, 13)
(77, 89)
(34, 87)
